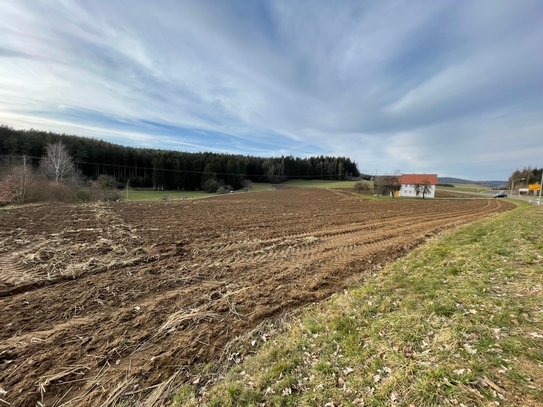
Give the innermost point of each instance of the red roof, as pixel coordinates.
(414, 179)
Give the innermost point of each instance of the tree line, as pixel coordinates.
(56, 179)
(166, 169)
(525, 177)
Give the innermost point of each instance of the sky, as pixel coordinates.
(447, 87)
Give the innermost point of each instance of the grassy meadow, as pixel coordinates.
(323, 184)
(150, 195)
(457, 322)
(466, 188)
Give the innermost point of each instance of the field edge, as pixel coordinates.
(439, 327)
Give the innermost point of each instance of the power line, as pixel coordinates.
(165, 169)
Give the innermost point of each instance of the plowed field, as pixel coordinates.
(104, 301)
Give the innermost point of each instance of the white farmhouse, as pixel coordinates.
(418, 185)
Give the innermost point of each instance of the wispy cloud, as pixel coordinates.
(448, 87)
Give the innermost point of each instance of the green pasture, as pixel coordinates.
(150, 195)
(261, 186)
(323, 184)
(473, 188)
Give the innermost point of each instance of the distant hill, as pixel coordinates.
(452, 180)
(493, 183)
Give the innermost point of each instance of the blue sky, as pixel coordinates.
(447, 87)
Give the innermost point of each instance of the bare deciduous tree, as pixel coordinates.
(58, 165)
(390, 185)
(362, 186)
(8, 187)
(22, 174)
(247, 184)
(19, 182)
(108, 185)
(423, 188)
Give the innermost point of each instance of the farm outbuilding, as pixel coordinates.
(413, 185)
(410, 185)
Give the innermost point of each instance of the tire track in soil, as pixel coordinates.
(362, 227)
(215, 274)
(335, 239)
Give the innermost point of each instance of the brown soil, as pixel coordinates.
(105, 301)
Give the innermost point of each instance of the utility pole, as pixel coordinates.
(540, 188)
(513, 183)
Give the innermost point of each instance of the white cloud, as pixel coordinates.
(416, 85)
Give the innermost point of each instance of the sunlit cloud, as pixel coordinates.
(447, 87)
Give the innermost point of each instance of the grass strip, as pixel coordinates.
(467, 188)
(150, 195)
(322, 184)
(457, 322)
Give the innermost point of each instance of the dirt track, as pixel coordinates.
(100, 301)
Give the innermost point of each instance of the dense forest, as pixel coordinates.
(169, 170)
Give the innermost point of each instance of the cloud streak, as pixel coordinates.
(446, 87)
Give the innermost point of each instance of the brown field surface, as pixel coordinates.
(104, 301)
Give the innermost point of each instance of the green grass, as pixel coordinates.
(457, 321)
(261, 186)
(466, 188)
(322, 184)
(15, 206)
(149, 195)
